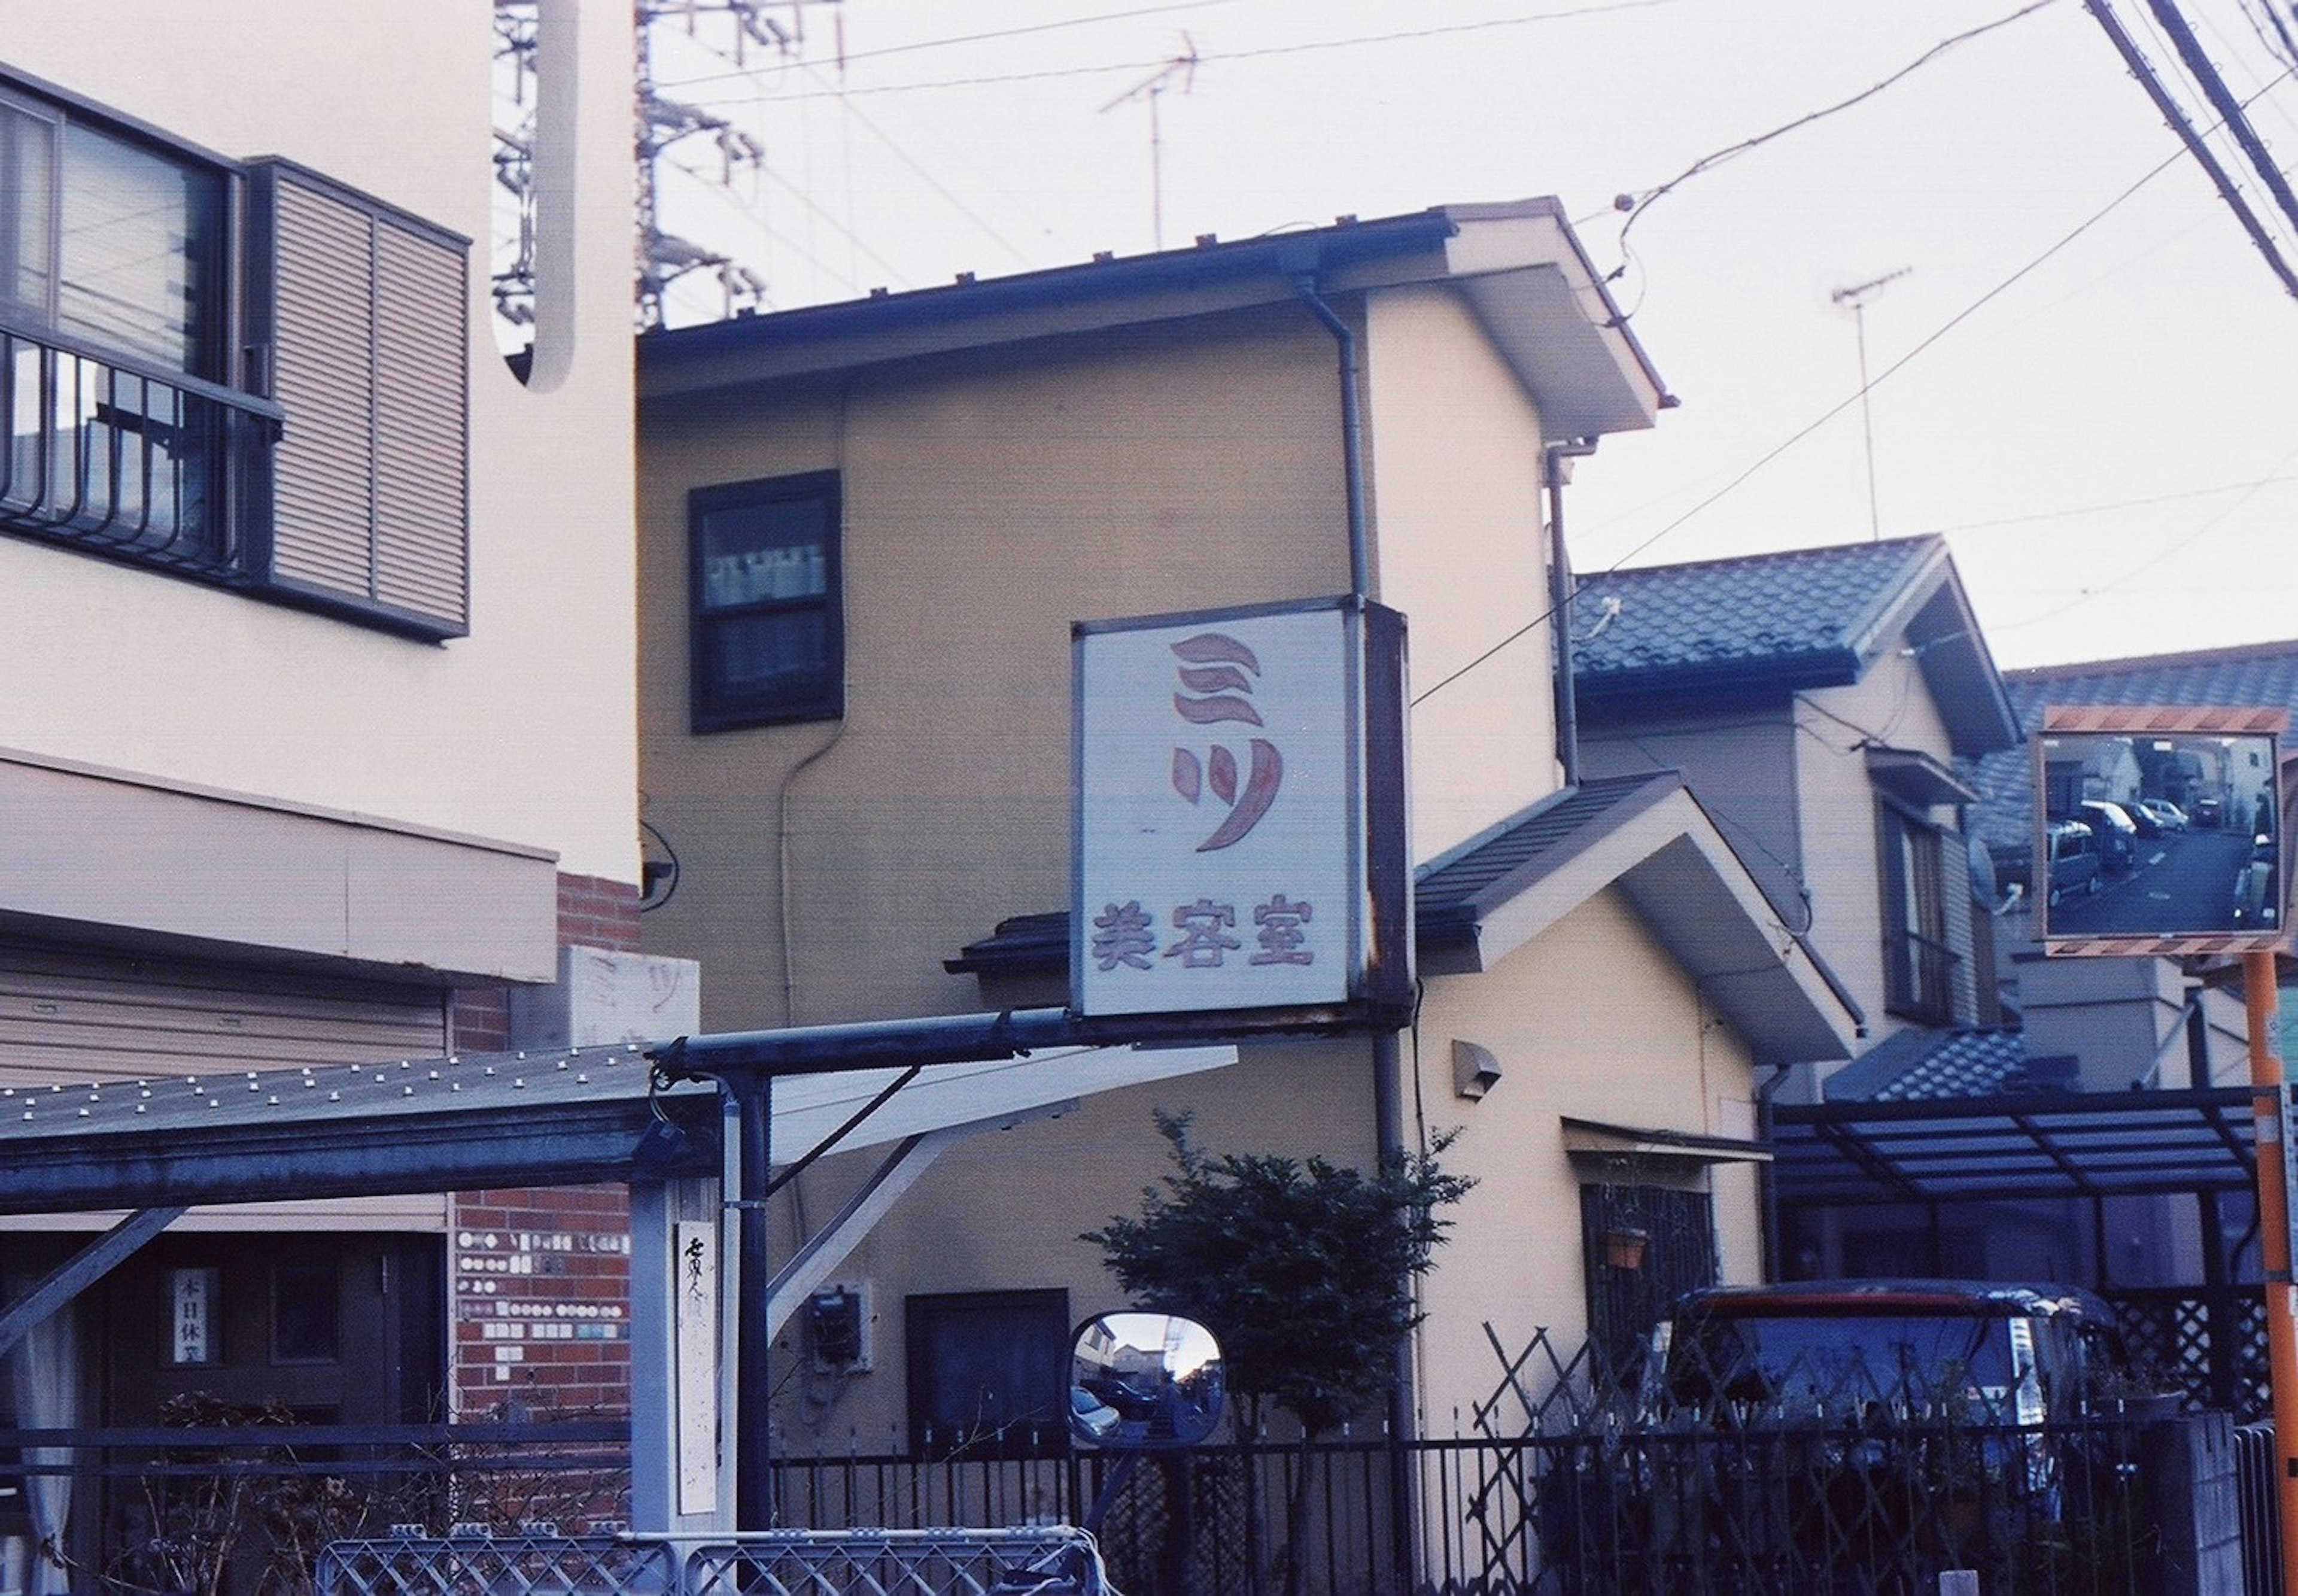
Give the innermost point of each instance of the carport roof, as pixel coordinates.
(573, 1116)
(2023, 1147)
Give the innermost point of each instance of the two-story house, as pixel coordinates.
(1821, 702)
(319, 736)
(866, 529)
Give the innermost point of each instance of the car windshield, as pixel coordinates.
(1806, 1359)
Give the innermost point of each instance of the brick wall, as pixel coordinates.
(541, 1294)
(540, 1279)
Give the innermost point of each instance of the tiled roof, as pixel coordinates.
(1453, 890)
(2258, 675)
(1808, 613)
(1923, 1066)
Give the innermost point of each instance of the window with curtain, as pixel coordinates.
(1919, 962)
(769, 639)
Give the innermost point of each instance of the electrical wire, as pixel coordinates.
(1261, 52)
(1643, 202)
(2209, 525)
(2099, 509)
(1797, 437)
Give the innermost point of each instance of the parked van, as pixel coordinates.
(2074, 858)
(2118, 838)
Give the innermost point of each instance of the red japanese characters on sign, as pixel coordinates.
(1220, 810)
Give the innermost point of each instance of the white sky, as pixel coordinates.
(2110, 442)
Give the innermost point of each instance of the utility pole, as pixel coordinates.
(1183, 66)
(1855, 296)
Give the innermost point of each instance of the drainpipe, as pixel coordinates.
(1387, 1062)
(1351, 435)
(1560, 604)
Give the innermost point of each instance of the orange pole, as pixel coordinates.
(2266, 1104)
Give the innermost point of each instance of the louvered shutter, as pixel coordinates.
(360, 316)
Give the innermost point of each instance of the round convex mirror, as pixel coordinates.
(1140, 1380)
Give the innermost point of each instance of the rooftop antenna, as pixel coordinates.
(1855, 296)
(1183, 66)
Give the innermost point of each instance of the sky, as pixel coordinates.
(2083, 373)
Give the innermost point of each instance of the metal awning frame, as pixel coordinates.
(2024, 1147)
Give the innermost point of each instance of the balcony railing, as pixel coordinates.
(126, 458)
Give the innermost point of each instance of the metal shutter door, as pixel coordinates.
(76, 1017)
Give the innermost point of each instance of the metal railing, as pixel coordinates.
(125, 458)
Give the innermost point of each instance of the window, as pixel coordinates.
(769, 632)
(986, 1373)
(239, 373)
(1642, 1247)
(1919, 964)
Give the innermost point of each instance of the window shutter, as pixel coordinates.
(360, 319)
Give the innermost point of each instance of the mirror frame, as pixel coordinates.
(2138, 738)
(1110, 1354)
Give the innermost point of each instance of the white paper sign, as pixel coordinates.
(694, 1324)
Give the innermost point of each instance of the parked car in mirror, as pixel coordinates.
(2073, 859)
(2118, 838)
(2165, 814)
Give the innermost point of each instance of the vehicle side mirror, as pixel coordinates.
(1140, 1381)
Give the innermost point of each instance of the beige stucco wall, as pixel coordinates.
(1455, 447)
(524, 730)
(1835, 800)
(1005, 1211)
(986, 510)
(1593, 1020)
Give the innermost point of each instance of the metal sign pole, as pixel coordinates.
(2270, 1102)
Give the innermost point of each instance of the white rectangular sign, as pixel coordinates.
(1221, 825)
(694, 1327)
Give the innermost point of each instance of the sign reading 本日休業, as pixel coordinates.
(1239, 811)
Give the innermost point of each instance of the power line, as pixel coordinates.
(1637, 205)
(2171, 113)
(2074, 511)
(848, 56)
(1833, 411)
(1263, 52)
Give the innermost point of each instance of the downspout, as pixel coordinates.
(1387, 1062)
(1560, 604)
(1351, 435)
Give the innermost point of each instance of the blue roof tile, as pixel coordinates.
(1801, 611)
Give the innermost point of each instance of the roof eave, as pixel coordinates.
(1674, 868)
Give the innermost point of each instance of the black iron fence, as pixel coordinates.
(1866, 1501)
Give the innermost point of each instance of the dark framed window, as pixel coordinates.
(768, 615)
(986, 1373)
(1919, 962)
(240, 373)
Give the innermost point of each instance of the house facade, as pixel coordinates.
(319, 735)
(866, 530)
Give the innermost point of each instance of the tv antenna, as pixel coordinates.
(1183, 67)
(1857, 297)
